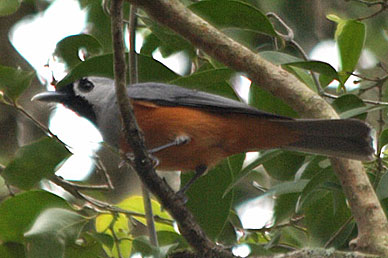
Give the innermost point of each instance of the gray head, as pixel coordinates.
(86, 96)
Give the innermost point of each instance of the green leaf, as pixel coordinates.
(287, 188)
(234, 14)
(34, 162)
(350, 37)
(284, 166)
(359, 111)
(213, 81)
(104, 239)
(383, 139)
(8, 7)
(86, 247)
(121, 228)
(264, 100)
(325, 216)
(143, 246)
(14, 81)
(171, 238)
(382, 188)
(285, 207)
(68, 48)
(318, 67)
(317, 164)
(264, 156)
(52, 231)
(294, 237)
(165, 39)
(349, 102)
(19, 212)
(149, 70)
(279, 58)
(259, 250)
(228, 235)
(12, 250)
(315, 186)
(203, 205)
(136, 204)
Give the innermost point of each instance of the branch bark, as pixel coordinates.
(303, 253)
(365, 206)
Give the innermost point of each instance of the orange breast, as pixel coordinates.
(214, 136)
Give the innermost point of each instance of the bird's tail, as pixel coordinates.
(344, 138)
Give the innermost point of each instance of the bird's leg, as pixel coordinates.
(179, 140)
(199, 171)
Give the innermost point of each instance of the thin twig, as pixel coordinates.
(101, 167)
(290, 39)
(133, 78)
(383, 7)
(84, 187)
(381, 123)
(292, 223)
(37, 123)
(115, 238)
(368, 101)
(339, 231)
(100, 206)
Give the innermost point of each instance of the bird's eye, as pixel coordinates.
(85, 85)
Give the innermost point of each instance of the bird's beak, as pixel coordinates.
(50, 96)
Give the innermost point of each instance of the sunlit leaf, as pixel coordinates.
(34, 162)
(8, 7)
(350, 36)
(120, 224)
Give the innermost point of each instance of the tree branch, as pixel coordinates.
(143, 164)
(364, 204)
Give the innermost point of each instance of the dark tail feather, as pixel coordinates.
(345, 138)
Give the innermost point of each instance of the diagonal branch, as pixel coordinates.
(371, 220)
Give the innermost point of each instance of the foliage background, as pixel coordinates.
(310, 208)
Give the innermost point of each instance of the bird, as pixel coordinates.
(191, 130)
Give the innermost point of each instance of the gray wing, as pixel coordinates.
(171, 95)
